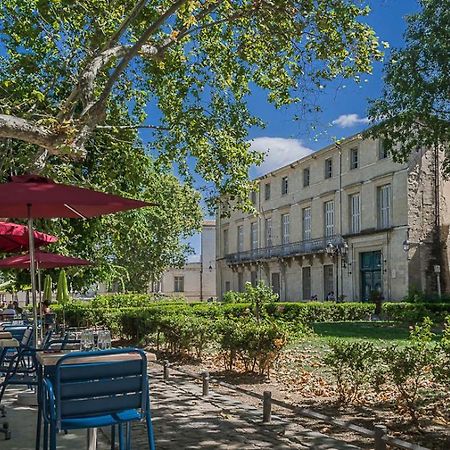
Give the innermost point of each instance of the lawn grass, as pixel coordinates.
(370, 330)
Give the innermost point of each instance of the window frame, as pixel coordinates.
(268, 235)
(355, 216)
(284, 185)
(384, 206)
(253, 235)
(177, 281)
(354, 158)
(328, 212)
(382, 152)
(306, 219)
(285, 229)
(267, 191)
(306, 176)
(240, 238)
(329, 168)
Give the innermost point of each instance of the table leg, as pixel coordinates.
(91, 438)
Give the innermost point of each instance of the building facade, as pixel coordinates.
(196, 280)
(345, 222)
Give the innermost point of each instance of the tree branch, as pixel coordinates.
(23, 130)
(98, 107)
(131, 127)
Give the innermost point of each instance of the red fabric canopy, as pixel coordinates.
(14, 237)
(43, 260)
(49, 199)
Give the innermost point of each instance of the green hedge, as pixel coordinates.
(415, 312)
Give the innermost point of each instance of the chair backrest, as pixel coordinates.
(27, 338)
(17, 332)
(103, 382)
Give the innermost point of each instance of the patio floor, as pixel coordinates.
(183, 420)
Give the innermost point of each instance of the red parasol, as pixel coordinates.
(33, 196)
(48, 199)
(14, 237)
(44, 260)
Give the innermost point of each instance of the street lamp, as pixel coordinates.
(337, 250)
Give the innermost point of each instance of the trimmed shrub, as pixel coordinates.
(416, 312)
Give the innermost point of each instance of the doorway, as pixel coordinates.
(371, 278)
(276, 283)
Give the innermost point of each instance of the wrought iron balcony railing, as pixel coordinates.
(311, 246)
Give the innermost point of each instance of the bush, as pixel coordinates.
(352, 364)
(408, 367)
(416, 312)
(256, 345)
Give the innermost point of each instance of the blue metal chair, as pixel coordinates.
(82, 394)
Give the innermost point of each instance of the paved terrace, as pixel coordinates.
(185, 420)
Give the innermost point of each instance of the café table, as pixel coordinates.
(5, 335)
(46, 364)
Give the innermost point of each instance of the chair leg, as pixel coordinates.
(128, 430)
(52, 437)
(113, 437)
(45, 445)
(151, 437)
(121, 437)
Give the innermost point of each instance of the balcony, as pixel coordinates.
(285, 250)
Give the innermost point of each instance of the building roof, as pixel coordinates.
(209, 223)
(313, 155)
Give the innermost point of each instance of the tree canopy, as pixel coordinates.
(414, 110)
(181, 68)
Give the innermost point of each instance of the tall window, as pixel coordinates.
(328, 208)
(384, 206)
(240, 282)
(253, 278)
(306, 223)
(284, 185)
(225, 242)
(306, 283)
(240, 238)
(285, 229)
(267, 191)
(268, 232)
(254, 235)
(328, 280)
(328, 168)
(178, 284)
(353, 158)
(306, 177)
(355, 213)
(382, 152)
(227, 286)
(253, 197)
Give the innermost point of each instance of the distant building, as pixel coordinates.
(344, 222)
(196, 280)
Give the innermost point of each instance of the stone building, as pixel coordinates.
(196, 280)
(345, 222)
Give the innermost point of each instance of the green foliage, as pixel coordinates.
(256, 345)
(206, 58)
(415, 108)
(408, 367)
(62, 292)
(259, 298)
(352, 364)
(232, 297)
(47, 294)
(415, 312)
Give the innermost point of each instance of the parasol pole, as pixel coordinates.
(40, 297)
(33, 273)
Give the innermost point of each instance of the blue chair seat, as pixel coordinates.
(101, 421)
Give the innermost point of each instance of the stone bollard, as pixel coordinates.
(380, 434)
(267, 407)
(166, 369)
(205, 380)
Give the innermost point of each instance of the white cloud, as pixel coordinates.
(279, 152)
(349, 120)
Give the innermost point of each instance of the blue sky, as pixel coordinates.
(344, 103)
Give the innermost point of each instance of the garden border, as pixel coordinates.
(380, 436)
